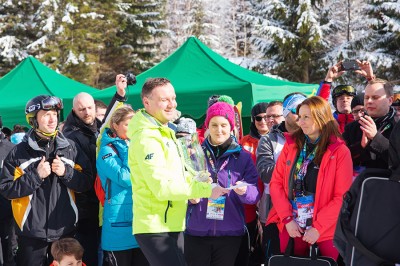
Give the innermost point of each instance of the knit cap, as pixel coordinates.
(292, 102)
(357, 100)
(221, 109)
(186, 125)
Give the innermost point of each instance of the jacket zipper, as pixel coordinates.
(166, 210)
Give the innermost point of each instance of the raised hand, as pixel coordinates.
(58, 166)
(43, 168)
(121, 84)
(334, 72)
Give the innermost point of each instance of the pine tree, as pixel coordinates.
(381, 42)
(290, 34)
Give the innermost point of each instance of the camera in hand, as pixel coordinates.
(349, 65)
(130, 78)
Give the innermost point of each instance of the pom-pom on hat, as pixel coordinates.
(221, 109)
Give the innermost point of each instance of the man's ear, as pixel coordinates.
(55, 263)
(145, 101)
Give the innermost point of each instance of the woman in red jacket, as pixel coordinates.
(312, 173)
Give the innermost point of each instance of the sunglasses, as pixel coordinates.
(260, 118)
(293, 110)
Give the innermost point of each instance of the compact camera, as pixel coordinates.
(130, 78)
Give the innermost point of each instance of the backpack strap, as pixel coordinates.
(108, 181)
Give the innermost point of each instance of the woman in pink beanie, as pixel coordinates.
(214, 228)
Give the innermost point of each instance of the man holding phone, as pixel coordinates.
(342, 95)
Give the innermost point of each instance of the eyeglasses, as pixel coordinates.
(356, 111)
(273, 116)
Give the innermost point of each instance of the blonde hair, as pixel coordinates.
(121, 114)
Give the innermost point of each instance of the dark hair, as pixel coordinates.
(100, 104)
(66, 247)
(322, 116)
(152, 83)
(17, 129)
(273, 103)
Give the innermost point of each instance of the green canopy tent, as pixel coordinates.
(197, 72)
(29, 79)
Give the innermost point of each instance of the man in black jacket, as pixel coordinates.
(83, 127)
(8, 241)
(41, 175)
(368, 138)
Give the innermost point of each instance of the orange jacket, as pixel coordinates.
(334, 179)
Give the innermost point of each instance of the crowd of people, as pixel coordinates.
(111, 185)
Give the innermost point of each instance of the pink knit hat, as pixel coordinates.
(221, 109)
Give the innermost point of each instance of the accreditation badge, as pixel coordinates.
(216, 208)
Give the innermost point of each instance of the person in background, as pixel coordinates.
(396, 105)
(7, 132)
(258, 128)
(67, 252)
(357, 106)
(161, 186)
(342, 95)
(83, 128)
(268, 151)
(368, 138)
(8, 241)
(184, 126)
(101, 109)
(41, 175)
(17, 134)
(118, 243)
(312, 173)
(215, 227)
(274, 114)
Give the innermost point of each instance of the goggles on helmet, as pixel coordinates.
(343, 89)
(49, 103)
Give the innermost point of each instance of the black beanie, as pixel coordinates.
(357, 100)
(257, 109)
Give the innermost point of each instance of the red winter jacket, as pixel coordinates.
(334, 179)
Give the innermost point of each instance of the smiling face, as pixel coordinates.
(220, 130)
(261, 126)
(161, 103)
(307, 123)
(47, 120)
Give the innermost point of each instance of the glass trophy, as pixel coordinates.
(195, 158)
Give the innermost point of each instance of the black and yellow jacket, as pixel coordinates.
(44, 209)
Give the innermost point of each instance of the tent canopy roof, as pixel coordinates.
(197, 72)
(31, 78)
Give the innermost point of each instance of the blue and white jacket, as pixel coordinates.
(117, 216)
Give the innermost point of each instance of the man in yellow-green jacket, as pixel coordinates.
(161, 186)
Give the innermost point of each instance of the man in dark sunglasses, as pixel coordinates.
(41, 175)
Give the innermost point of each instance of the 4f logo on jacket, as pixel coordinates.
(149, 156)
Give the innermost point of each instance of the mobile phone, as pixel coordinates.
(349, 65)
